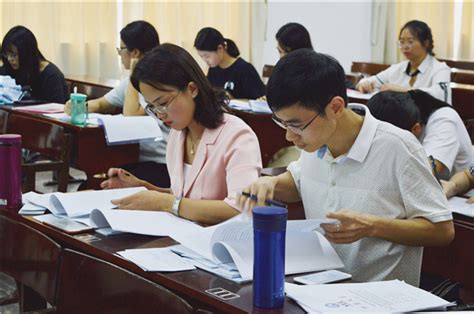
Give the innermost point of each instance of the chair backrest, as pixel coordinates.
(267, 71)
(48, 139)
(368, 67)
(90, 285)
(459, 64)
(3, 121)
(462, 76)
(92, 91)
(30, 257)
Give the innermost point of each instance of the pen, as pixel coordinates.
(104, 175)
(267, 201)
(433, 167)
(378, 78)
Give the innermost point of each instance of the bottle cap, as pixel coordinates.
(270, 218)
(78, 97)
(10, 139)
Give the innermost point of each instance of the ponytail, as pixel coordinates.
(231, 48)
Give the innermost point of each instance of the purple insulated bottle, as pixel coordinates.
(10, 172)
(269, 229)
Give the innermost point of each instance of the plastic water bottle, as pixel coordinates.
(10, 172)
(269, 225)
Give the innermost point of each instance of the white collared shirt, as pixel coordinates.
(446, 139)
(432, 73)
(385, 173)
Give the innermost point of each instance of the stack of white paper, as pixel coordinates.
(34, 204)
(258, 106)
(384, 296)
(355, 94)
(157, 259)
(229, 245)
(459, 205)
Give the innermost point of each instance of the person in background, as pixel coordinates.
(211, 155)
(292, 36)
(435, 123)
(226, 69)
(421, 70)
(136, 39)
(370, 175)
(23, 61)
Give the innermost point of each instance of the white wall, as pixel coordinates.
(341, 29)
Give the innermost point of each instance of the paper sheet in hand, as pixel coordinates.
(459, 205)
(232, 243)
(380, 297)
(121, 129)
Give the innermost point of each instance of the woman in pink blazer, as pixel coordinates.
(211, 155)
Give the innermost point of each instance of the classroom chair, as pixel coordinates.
(91, 285)
(48, 139)
(32, 259)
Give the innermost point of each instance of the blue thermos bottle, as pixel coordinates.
(269, 229)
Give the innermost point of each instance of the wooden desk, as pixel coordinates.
(191, 285)
(90, 152)
(455, 261)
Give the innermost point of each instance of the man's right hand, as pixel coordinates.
(259, 191)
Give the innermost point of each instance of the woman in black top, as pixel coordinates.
(226, 69)
(23, 61)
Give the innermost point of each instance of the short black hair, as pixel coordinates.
(422, 33)
(306, 78)
(171, 65)
(209, 39)
(29, 55)
(293, 36)
(397, 108)
(404, 109)
(140, 35)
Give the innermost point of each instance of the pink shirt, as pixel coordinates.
(227, 160)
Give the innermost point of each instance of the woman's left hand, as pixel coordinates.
(393, 88)
(146, 200)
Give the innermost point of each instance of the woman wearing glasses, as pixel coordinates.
(23, 61)
(211, 155)
(420, 71)
(136, 39)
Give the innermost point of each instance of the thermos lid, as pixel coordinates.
(10, 139)
(270, 218)
(78, 97)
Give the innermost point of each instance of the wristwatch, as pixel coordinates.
(175, 207)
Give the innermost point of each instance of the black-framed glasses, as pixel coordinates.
(153, 110)
(119, 49)
(293, 128)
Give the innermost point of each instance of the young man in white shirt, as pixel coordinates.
(371, 176)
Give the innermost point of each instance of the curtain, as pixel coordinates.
(79, 37)
(466, 42)
(179, 22)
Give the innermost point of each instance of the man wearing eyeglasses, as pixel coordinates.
(371, 176)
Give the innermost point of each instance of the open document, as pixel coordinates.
(227, 249)
(378, 297)
(257, 106)
(79, 204)
(121, 129)
(459, 205)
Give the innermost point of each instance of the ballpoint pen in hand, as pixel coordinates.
(267, 201)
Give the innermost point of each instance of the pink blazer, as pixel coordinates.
(227, 160)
